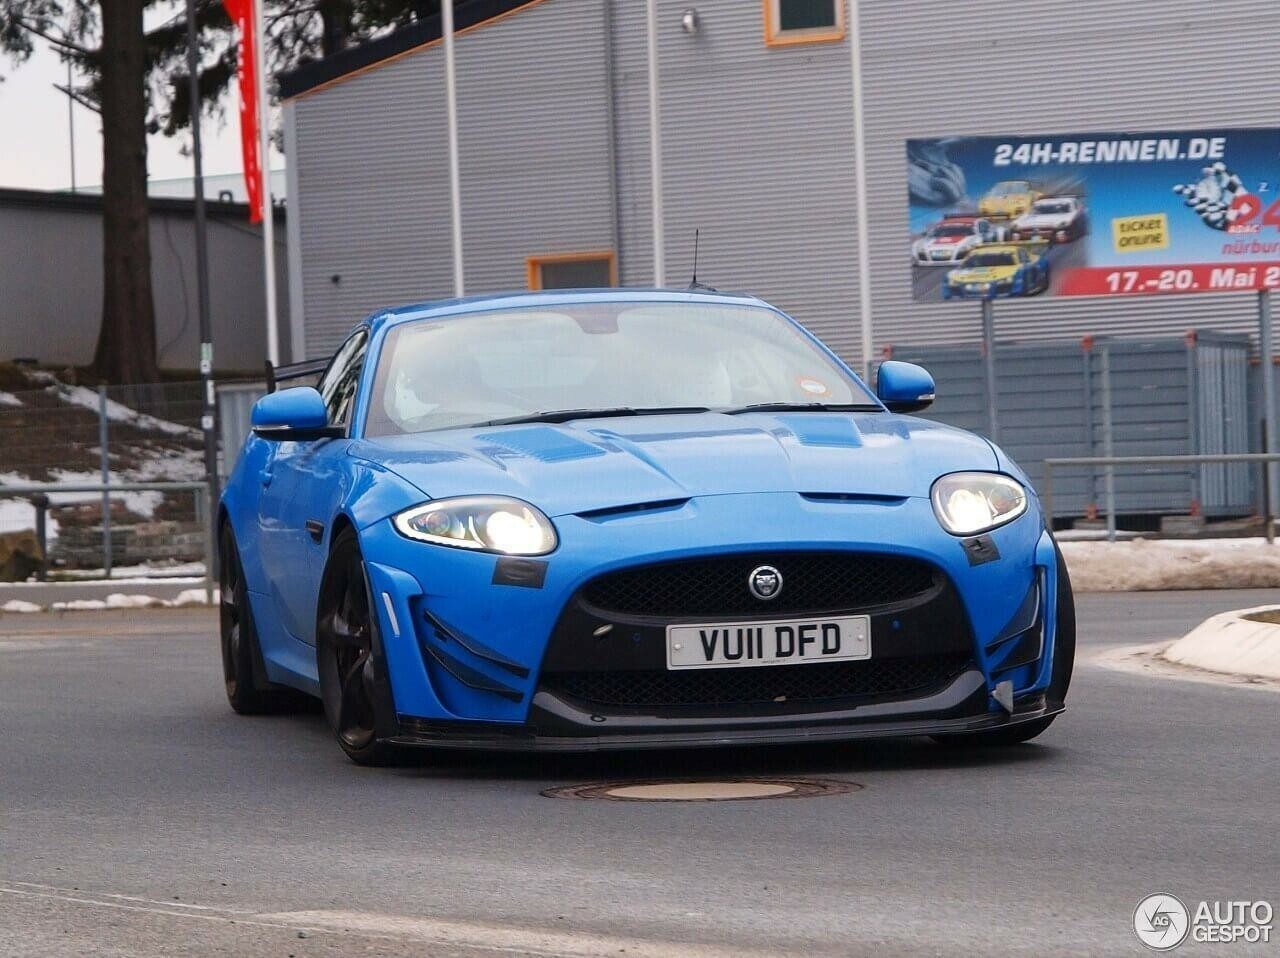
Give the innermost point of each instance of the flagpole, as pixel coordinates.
(860, 193)
(655, 151)
(455, 176)
(264, 169)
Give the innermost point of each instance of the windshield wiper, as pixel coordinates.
(568, 415)
(799, 407)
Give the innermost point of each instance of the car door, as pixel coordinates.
(300, 490)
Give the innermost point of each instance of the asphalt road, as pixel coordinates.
(140, 817)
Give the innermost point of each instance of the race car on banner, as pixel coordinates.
(1059, 219)
(952, 238)
(1000, 269)
(1008, 199)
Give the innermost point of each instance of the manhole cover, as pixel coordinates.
(721, 790)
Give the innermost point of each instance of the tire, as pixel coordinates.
(244, 675)
(1064, 655)
(353, 685)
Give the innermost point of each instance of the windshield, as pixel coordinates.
(1057, 206)
(474, 369)
(989, 259)
(953, 229)
(1010, 186)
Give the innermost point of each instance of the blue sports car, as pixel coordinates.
(629, 519)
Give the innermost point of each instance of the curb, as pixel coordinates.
(1233, 644)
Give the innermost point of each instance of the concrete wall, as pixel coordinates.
(51, 281)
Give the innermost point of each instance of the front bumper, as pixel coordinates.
(558, 726)
(474, 664)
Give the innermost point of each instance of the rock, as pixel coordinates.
(20, 555)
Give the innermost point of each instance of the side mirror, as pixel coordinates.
(904, 387)
(293, 415)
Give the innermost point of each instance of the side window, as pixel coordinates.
(339, 382)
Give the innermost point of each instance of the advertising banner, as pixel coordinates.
(1099, 214)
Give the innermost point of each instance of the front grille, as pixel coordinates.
(811, 582)
(759, 685)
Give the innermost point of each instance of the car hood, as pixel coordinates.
(609, 463)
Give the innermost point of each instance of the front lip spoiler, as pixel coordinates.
(557, 725)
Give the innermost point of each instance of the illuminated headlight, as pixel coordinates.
(483, 523)
(967, 503)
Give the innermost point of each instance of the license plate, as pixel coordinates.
(721, 645)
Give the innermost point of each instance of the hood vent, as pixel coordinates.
(632, 509)
(870, 499)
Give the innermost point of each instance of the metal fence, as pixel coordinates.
(109, 474)
(1112, 396)
(1150, 465)
(136, 549)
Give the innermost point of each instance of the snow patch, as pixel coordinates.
(119, 412)
(118, 600)
(9, 399)
(1152, 564)
(185, 599)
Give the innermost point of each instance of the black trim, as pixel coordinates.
(980, 550)
(446, 633)
(557, 726)
(527, 573)
(315, 529)
(469, 676)
(468, 13)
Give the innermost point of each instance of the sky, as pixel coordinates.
(34, 147)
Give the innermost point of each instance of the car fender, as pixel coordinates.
(239, 504)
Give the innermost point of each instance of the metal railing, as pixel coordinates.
(40, 494)
(1110, 462)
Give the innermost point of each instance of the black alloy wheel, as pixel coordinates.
(346, 659)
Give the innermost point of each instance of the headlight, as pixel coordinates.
(967, 503)
(483, 523)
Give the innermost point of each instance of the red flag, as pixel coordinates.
(242, 14)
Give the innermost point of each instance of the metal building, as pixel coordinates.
(758, 148)
(51, 280)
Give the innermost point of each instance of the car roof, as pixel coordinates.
(996, 248)
(460, 308)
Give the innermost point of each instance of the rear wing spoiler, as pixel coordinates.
(278, 374)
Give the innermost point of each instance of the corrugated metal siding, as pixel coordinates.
(757, 154)
(372, 165)
(1013, 67)
(758, 151)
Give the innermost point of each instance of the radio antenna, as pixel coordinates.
(693, 283)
